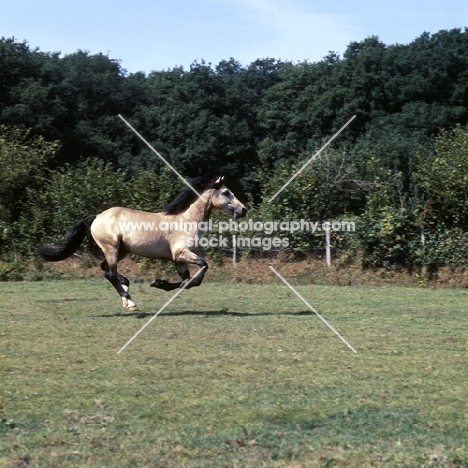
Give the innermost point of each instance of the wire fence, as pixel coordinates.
(235, 248)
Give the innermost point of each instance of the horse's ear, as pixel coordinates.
(219, 182)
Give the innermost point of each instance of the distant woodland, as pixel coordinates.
(399, 171)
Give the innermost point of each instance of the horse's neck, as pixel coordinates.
(200, 210)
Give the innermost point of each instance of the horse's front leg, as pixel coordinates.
(187, 256)
(184, 273)
(181, 260)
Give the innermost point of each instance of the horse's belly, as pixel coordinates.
(155, 248)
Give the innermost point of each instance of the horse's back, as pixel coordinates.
(132, 230)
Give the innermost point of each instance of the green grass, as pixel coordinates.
(233, 376)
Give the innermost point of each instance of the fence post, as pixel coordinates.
(327, 247)
(234, 250)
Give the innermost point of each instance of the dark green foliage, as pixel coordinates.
(257, 124)
(443, 175)
(23, 161)
(149, 191)
(66, 196)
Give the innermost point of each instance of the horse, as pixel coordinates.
(121, 231)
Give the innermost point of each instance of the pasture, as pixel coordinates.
(233, 375)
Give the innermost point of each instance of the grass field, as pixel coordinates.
(233, 375)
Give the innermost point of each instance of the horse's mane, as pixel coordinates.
(187, 196)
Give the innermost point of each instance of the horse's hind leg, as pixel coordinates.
(120, 283)
(124, 282)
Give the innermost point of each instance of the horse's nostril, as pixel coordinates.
(244, 210)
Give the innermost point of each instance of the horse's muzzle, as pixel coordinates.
(240, 214)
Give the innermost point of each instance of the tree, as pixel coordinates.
(29, 89)
(443, 178)
(68, 195)
(201, 120)
(23, 161)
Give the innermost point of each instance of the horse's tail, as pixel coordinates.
(56, 253)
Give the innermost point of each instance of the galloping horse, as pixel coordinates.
(121, 231)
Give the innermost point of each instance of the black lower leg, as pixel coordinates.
(122, 280)
(199, 277)
(184, 273)
(164, 285)
(115, 281)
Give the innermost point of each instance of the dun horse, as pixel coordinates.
(121, 231)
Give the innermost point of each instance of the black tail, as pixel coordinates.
(56, 253)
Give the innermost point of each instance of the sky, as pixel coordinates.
(156, 35)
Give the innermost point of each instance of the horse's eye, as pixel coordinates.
(225, 192)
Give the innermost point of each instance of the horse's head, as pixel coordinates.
(225, 200)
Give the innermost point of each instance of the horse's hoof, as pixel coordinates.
(156, 283)
(133, 308)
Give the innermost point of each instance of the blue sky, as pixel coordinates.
(148, 35)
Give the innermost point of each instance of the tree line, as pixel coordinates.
(400, 170)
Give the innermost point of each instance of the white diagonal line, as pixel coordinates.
(313, 310)
(160, 310)
(311, 159)
(162, 159)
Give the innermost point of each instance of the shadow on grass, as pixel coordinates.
(206, 313)
(355, 424)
